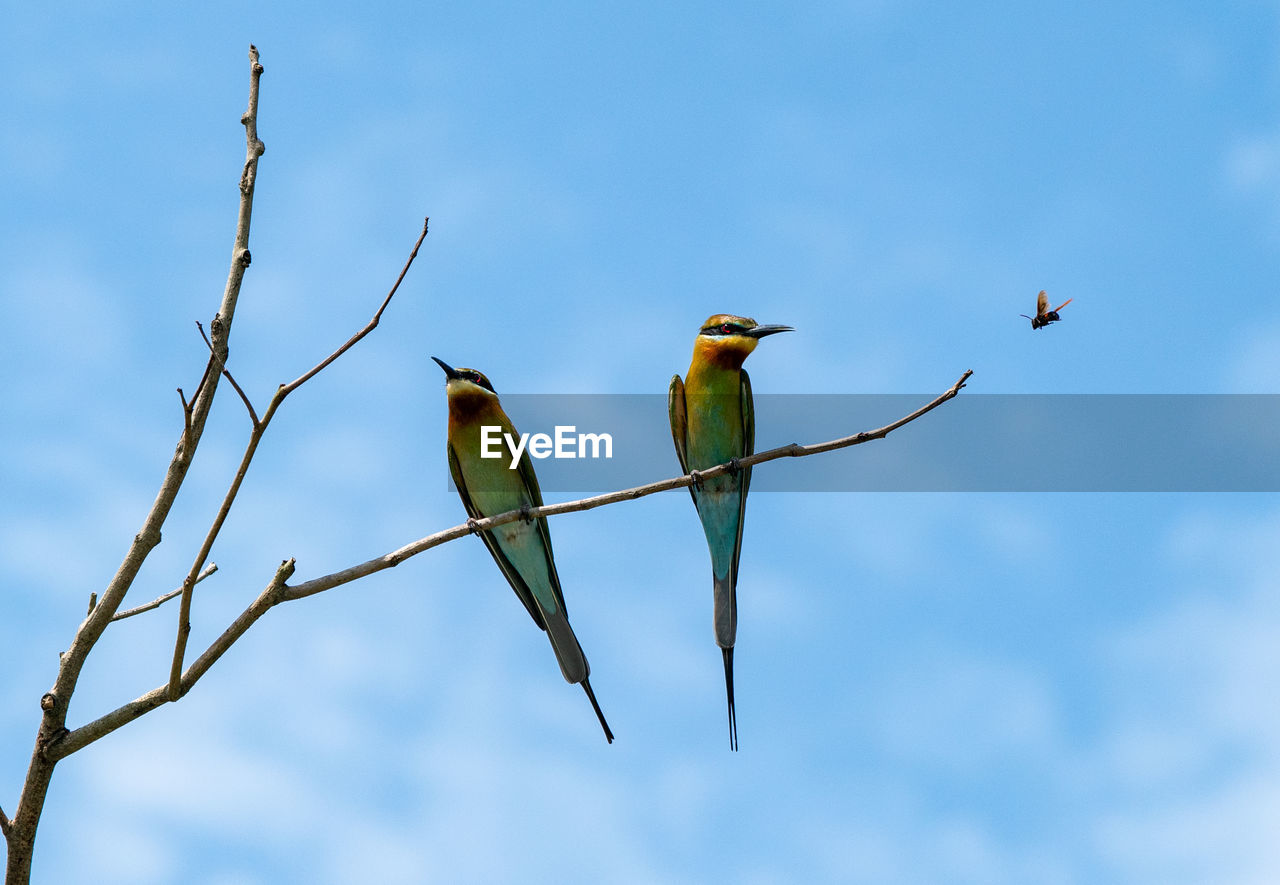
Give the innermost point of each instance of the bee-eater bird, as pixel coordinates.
(713, 422)
(522, 549)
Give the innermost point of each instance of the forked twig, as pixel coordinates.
(226, 373)
(175, 689)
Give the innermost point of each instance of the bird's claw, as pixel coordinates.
(526, 513)
(473, 525)
(735, 466)
(696, 476)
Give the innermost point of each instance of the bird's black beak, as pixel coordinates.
(449, 371)
(762, 331)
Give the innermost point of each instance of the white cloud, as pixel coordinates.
(480, 798)
(965, 714)
(1254, 362)
(1010, 530)
(1252, 163)
(1224, 834)
(123, 849)
(908, 844)
(1189, 772)
(1251, 169)
(195, 778)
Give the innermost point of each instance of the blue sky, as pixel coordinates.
(969, 687)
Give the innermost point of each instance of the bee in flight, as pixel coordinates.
(1044, 316)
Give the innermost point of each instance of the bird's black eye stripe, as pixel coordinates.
(724, 329)
(476, 378)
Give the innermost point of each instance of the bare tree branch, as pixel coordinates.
(161, 600)
(794, 450)
(4, 824)
(20, 831)
(55, 703)
(259, 430)
(277, 591)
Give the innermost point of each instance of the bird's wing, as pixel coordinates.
(1062, 305)
(748, 448)
(530, 480)
(676, 411)
(508, 570)
(1042, 303)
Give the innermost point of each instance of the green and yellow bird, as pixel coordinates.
(489, 486)
(713, 422)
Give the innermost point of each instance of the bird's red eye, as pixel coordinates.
(725, 328)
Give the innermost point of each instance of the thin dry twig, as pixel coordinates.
(203, 378)
(226, 373)
(369, 327)
(278, 591)
(186, 415)
(161, 600)
(176, 690)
